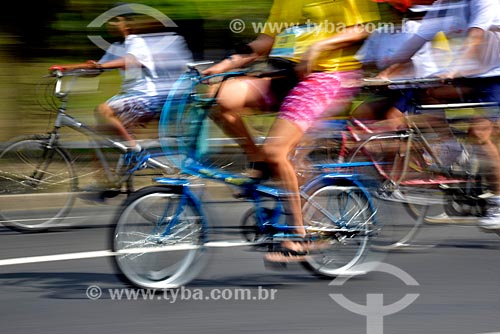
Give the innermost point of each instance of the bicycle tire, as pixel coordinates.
(37, 177)
(145, 254)
(395, 233)
(350, 213)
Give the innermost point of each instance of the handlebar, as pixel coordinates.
(59, 72)
(405, 83)
(423, 82)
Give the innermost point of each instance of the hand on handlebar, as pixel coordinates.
(89, 68)
(89, 64)
(449, 74)
(54, 68)
(218, 68)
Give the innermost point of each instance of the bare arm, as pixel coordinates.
(123, 62)
(468, 60)
(261, 46)
(349, 36)
(406, 51)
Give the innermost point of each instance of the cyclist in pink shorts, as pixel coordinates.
(325, 63)
(319, 94)
(316, 95)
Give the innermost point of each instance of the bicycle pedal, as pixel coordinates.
(111, 193)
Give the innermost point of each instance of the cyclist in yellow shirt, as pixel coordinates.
(324, 53)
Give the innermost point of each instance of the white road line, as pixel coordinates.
(106, 253)
(61, 218)
(56, 257)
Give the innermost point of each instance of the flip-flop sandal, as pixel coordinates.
(285, 256)
(307, 245)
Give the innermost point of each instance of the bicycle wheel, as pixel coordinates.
(164, 248)
(390, 167)
(343, 216)
(37, 184)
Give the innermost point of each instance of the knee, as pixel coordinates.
(104, 110)
(273, 155)
(225, 116)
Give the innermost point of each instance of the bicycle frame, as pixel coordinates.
(412, 137)
(269, 221)
(64, 120)
(273, 220)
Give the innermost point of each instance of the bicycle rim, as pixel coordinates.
(344, 216)
(162, 249)
(37, 185)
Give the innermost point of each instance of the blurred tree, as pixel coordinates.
(59, 27)
(30, 22)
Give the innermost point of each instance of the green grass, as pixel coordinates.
(27, 97)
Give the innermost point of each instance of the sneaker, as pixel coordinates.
(133, 155)
(394, 196)
(492, 219)
(444, 218)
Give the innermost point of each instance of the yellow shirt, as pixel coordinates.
(297, 24)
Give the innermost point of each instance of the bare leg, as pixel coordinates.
(282, 139)
(234, 99)
(108, 115)
(481, 131)
(380, 114)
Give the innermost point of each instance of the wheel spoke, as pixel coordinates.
(45, 180)
(159, 238)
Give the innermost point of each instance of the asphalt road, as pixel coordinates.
(455, 280)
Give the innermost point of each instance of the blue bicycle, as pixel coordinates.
(162, 232)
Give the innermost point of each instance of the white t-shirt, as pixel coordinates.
(162, 58)
(115, 51)
(454, 18)
(382, 45)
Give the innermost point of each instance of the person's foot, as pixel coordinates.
(491, 221)
(394, 196)
(296, 251)
(284, 257)
(444, 218)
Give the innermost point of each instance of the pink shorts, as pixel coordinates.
(320, 94)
